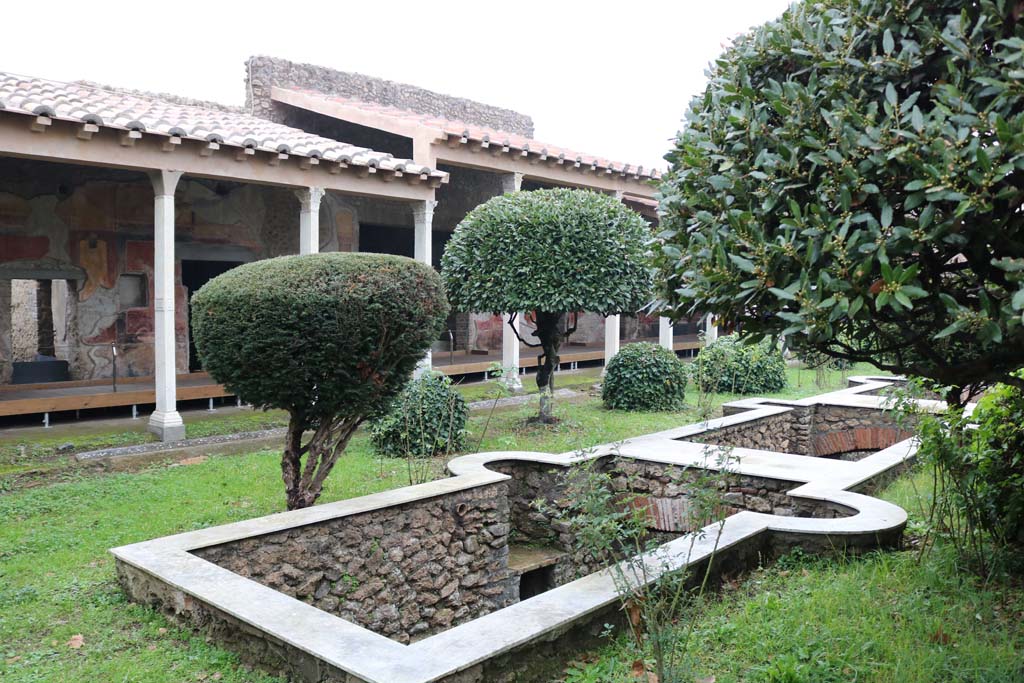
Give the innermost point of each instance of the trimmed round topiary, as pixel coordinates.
(330, 338)
(730, 366)
(551, 253)
(644, 376)
(427, 419)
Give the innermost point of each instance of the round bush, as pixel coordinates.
(644, 376)
(427, 418)
(319, 335)
(730, 366)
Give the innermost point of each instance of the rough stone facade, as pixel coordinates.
(404, 572)
(820, 430)
(264, 72)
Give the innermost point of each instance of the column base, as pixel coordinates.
(511, 380)
(424, 366)
(168, 426)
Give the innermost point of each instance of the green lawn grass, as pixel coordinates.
(887, 617)
(57, 580)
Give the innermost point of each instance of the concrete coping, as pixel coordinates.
(373, 657)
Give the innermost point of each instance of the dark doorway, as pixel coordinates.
(536, 581)
(195, 274)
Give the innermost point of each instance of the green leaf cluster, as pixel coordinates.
(427, 419)
(644, 376)
(558, 251)
(319, 335)
(728, 365)
(998, 463)
(853, 177)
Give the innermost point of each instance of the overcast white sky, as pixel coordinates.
(611, 79)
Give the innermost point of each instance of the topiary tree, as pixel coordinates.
(330, 338)
(727, 365)
(644, 376)
(428, 418)
(853, 177)
(552, 252)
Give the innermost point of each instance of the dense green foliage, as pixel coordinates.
(558, 251)
(729, 365)
(1000, 461)
(328, 337)
(427, 419)
(979, 462)
(644, 376)
(853, 177)
(551, 253)
(321, 334)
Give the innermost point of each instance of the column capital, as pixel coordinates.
(424, 211)
(164, 182)
(310, 197)
(511, 182)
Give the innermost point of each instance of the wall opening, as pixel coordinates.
(38, 328)
(536, 581)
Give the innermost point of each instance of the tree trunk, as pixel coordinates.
(549, 335)
(303, 483)
(291, 462)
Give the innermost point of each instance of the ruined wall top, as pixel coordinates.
(264, 72)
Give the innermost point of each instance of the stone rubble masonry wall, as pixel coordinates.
(820, 430)
(529, 483)
(262, 73)
(741, 492)
(405, 572)
(772, 433)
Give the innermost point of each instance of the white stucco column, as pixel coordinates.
(710, 330)
(665, 332)
(165, 421)
(423, 219)
(611, 338)
(510, 352)
(309, 219)
(511, 182)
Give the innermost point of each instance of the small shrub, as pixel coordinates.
(978, 462)
(427, 418)
(730, 366)
(644, 376)
(1000, 462)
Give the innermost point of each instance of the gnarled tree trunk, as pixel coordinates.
(303, 482)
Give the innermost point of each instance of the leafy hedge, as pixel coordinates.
(427, 418)
(730, 366)
(644, 376)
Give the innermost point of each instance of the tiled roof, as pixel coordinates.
(511, 143)
(87, 104)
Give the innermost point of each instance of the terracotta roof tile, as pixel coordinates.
(81, 103)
